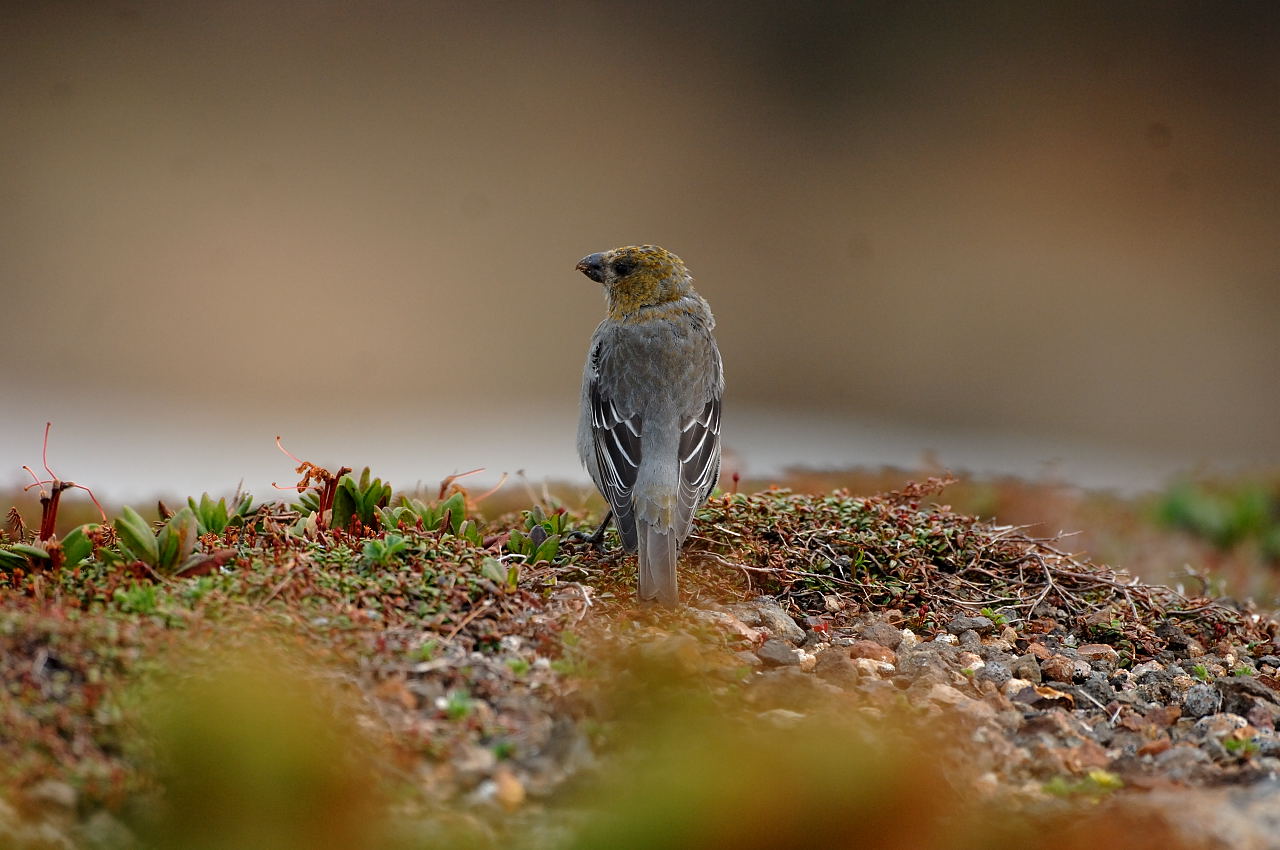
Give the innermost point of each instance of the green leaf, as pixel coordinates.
(456, 507)
(493, 569)
(344, 503)
(244, 508)
(547, 551)
(77, 546)
(177, 540)
(136, 537)
(518, 542)
(11, 560)
(30, 551)
(211, 516)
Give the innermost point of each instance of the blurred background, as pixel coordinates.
(1025, 238)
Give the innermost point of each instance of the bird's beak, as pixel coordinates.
(592, 266)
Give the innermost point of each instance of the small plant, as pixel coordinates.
(506, 576)
(384, 552)
(1240, 747)
(994, 616)
(446, 515)
(319, 488)
(359, 501)
(167, 551)
(69, 551)
(138, 598)
(214, 517)
(518, 666)
(458, 705)
(540, 541)
(1096, 783)
(1201, 672)
(426, 650)
(49, 501)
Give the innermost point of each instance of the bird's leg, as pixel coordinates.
(596, 538)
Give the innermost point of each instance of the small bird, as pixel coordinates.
(649, 431)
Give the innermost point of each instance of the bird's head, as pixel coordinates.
(637, 276)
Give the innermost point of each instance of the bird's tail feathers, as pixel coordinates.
(659, 549)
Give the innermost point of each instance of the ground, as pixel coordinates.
(878, 670)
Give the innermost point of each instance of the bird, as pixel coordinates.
(649, 427)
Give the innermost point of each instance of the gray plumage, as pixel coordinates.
(649, 432)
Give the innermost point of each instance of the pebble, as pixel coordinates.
(882, 633)
(771, 616)
(871, 667)
(835, 666)
(1059, 668)
(1200, 700)
(777, 653)
(1026, 667)
(873, 650)
(1218, 726)
(1099, 652)
(964, 624)
(995, 673)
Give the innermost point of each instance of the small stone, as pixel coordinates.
(882, 633)
(969, 639)
(1026, 667)
(873, 668)
(1058, 668)
(1095, 685)
(949, 640)
(835, 666)
(1039, 651)
(1099, 652)
(779, 623)
(909, 639)
(964, 624)
(1200, 700)
(1146, 667)
(969, 661)
(947, 695)
(1015, 686)
(1218, 726)
(995, 673)
(873, 650)
(729, 624)
(777, 653)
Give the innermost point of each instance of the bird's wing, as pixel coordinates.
(617, 443)
(699, 462)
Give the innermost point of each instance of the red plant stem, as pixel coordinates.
(49, 509)
(44, 451)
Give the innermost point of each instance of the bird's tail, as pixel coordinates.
(657, 559)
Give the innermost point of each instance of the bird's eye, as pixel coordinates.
(624, 266)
